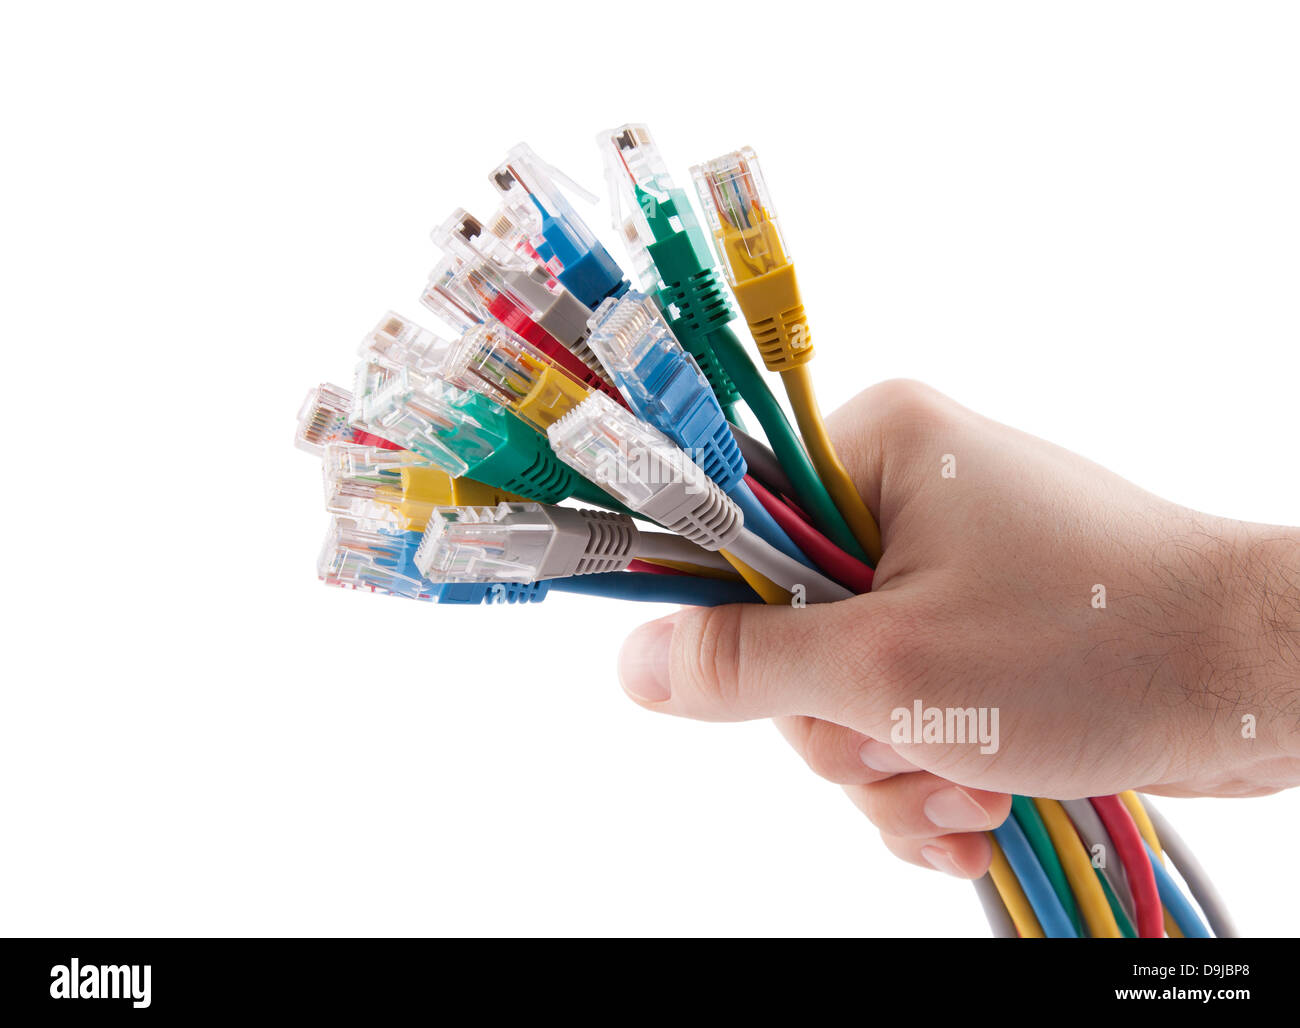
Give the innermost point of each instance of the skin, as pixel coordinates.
(984, 598)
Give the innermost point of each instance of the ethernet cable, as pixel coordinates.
(531, 191)
(465, 294)
(646, 471)
(465, 435)
(754, 257)
(382, 562)
(1001, 924)
(528, 542)
(356, 557)
(1179, 907)
(1027, 817)
(672, 258)
(1020, 856)
(664, 385)
(843, 567)
(323, 419)
(396, 488)
(526, 289)
(1094, 835)
(1013, 894)
(1085, 884)
(1202, 887)
(1137, 866)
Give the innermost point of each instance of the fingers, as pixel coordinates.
(831, 750)
(924, 806)
(966, 855)
(746, 661)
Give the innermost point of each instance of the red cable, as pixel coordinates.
(654, 569)
(843, 567)
(515, 318)
(1137, 865)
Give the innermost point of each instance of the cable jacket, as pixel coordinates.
(1207, 896)
(632, 585)
(1051, 915)
(1172, 897)
(790, 575)
(803, 400)
(995, 911)
(664, 546)
(1094, 834)
(1078, 869)
(809, 491)
(843, 567)
(761, 461)
(1026, 815)
(1013, 896)
(1141, 876)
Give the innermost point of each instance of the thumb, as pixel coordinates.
(745, 661)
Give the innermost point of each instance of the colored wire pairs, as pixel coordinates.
(446, 465)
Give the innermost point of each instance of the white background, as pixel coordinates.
(1079, 219)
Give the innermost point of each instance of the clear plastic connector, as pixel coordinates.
(740, 215)
(646, 204)
(323, 418)
(614, 448)
(356, 557)
(532, 195)
(453, 429)
(502, 241)
(631, 338)
(493, 361)
(365, 482)
(399, 342)
(507, 543)
(458, 294)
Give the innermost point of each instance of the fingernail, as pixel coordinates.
(880, 756)
(955, 808)
(643, 661)
(941, 860)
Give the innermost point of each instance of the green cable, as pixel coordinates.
(1121, 918)
(810, 493)
(1031, 823)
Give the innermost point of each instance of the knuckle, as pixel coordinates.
(910, 406)
(823, 751)
(712, 660)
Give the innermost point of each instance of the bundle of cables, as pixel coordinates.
(552, 379)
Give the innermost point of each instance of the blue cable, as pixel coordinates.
(1033, 879)
(652, 588)
(666, 388)
(1175, 902)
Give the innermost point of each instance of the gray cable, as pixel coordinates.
(1207, 896)
(785, 571)
(995, 911)
(1090, 828)
(665, 546)
(762, 462)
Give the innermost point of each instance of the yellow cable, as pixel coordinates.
(698, 570)
(770, 592)
(799, 388)
(1133, 804)
(1078, 869)
(1013, 896)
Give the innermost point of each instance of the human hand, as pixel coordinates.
(986, 598)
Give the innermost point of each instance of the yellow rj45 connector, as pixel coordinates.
(753, 256)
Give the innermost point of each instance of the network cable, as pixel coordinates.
(753, 254)
(672, 257)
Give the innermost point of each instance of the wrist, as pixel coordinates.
(1264, 612)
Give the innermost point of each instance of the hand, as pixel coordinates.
(990, 596)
